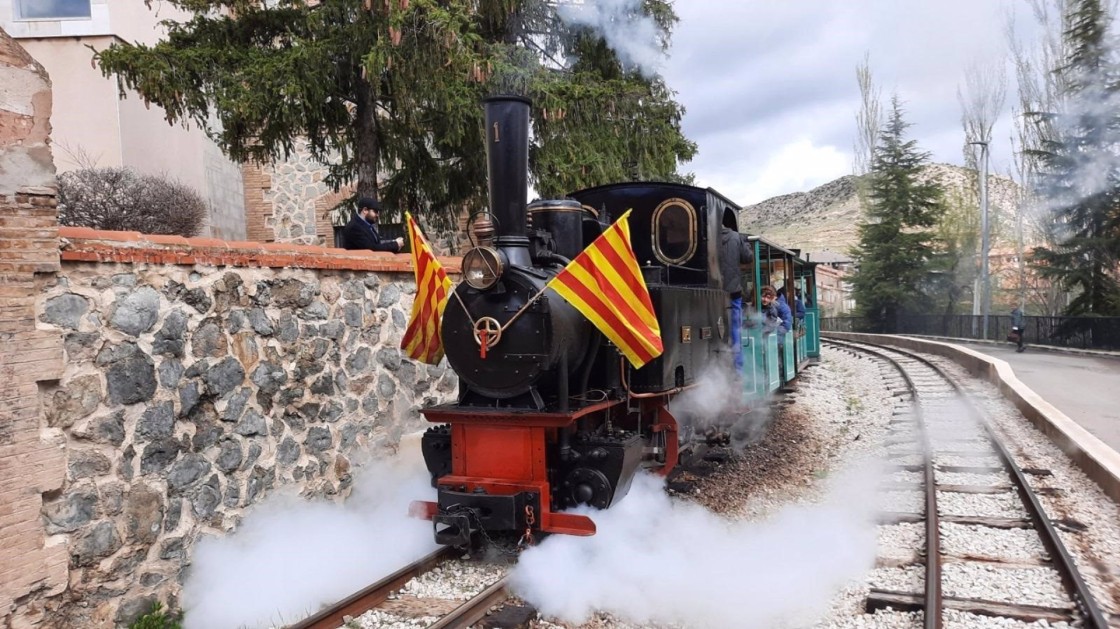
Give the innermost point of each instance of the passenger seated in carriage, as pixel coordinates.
(776, 315)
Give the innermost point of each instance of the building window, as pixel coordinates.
(52, 9)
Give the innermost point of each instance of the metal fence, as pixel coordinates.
(1078, 332)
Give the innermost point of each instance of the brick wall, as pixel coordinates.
(257, 211)
(31, 463)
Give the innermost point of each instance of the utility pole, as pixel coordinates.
(985, 284)
(1022, 260)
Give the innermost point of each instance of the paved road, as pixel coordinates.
(1086, 388)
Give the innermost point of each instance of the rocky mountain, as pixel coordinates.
(825, 218)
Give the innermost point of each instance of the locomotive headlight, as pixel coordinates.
(482, 266)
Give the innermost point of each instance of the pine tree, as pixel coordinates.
(895, 241)
(387, 92)
(1079, 171)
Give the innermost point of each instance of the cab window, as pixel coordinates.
(674, 231)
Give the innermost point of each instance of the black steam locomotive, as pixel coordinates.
(550, 415)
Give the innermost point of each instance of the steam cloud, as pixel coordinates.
(291, 556)
(715, 403)
(632, 34)
(656, 560)
(1088, 137)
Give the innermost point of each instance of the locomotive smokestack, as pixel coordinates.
(507, 154)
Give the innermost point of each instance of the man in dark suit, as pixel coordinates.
(361, 231)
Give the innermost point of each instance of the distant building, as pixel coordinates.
(840, 261)
(834, 293)
(90, 118)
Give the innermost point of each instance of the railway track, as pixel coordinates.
(938, 422)
(377, 594)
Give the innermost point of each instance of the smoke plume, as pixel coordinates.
(632, 34)
(716, 404)
(291, 556)
(659, 560)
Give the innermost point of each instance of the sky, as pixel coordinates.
(770, 88)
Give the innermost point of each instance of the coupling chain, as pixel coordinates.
(530, 520)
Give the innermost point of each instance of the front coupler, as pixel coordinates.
(461, 515)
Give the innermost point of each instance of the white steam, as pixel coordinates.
(658, 560)
(630, 32)
(291, 556)
(1087, 141)
(716, 403)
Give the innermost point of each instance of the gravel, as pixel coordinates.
(991, 543)
(978, 446)
(907, 478)
(966, 461)
(458, 580)
(902, 501)
(967, 478)
(985, 505)
(901, 541)
(905, 579)
(1032, 586)
(375, 619)
(953, 619)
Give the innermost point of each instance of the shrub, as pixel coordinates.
(121, 199)
(158, 618)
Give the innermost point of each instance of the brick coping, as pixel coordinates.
(83, 244)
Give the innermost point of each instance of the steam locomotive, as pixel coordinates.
(549, 414)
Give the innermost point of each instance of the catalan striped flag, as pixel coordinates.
(605, 284)
(421, 340)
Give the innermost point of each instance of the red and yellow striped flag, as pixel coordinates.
(605, 284)
(421, 340)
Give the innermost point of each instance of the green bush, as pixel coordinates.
(158, 618)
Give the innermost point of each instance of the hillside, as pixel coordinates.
(825, 218)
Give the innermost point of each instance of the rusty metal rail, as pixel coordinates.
(933, 595)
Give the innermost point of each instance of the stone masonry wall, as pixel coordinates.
(199, 376)
(287, 201)
(32, 464)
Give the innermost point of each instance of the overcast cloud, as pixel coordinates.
(771, 93)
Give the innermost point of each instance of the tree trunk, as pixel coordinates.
(365, 151)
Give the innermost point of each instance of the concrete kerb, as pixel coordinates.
(1100, 462)
(1055, 349)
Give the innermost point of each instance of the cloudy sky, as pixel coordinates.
(771, 93)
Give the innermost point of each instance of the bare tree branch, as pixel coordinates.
(869, 118)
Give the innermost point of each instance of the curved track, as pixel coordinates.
(925, 386)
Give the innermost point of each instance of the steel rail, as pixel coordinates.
(369, 597)
(932, 611)
(1064, 562)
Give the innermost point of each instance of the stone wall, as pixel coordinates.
(200, 376)
(31, 464)
(287, 201)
